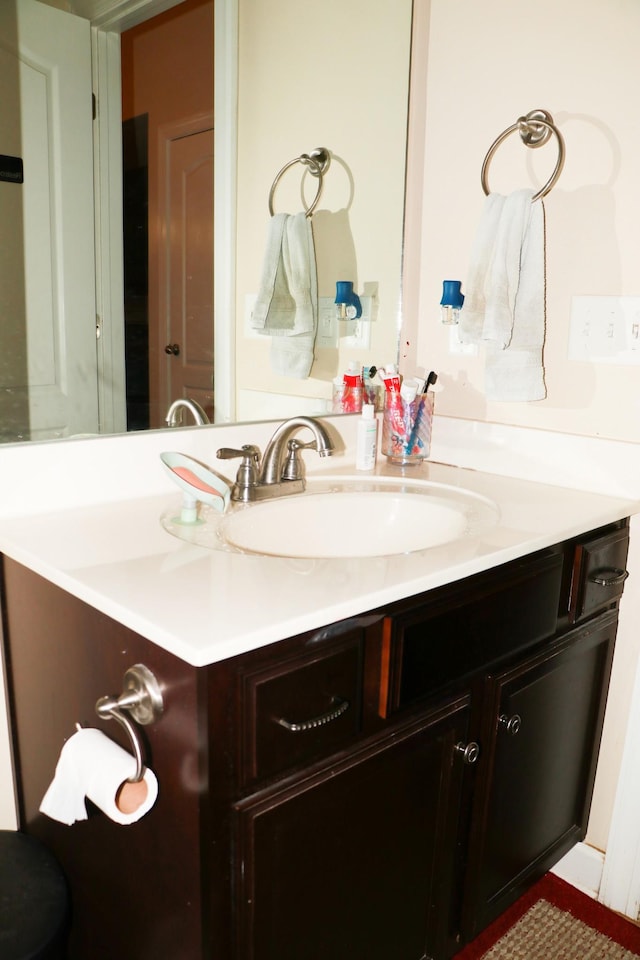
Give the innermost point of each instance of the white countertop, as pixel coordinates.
(204, 605)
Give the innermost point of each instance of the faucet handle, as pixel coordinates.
(293, 468)
(249, 450)
(247, 475)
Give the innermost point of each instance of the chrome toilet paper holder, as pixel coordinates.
(140, 701)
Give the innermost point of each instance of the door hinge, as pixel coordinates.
(94, 105)
(98, 327)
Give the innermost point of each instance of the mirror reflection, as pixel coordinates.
(197, 242)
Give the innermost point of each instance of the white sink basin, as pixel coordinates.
(346, 517)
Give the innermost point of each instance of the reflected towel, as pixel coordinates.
(286, 307)
(505, 296)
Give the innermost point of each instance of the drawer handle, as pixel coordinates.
(609, 576)
(340, 707)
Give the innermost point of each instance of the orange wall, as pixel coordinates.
(167, 64)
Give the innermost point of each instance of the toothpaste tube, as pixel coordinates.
(352, 395)
(394, 428)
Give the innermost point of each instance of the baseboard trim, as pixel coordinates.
(582, 867)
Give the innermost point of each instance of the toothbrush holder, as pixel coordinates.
(406, 428)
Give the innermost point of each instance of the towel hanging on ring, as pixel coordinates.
(505, 297)
(286, 307)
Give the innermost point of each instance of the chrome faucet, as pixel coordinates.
(182, 403)
(281, 471)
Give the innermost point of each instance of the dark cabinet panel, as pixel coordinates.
(302, 707)
(136, 889)
(356, 860)
(436, 645)
(599, 573)
(543, 736)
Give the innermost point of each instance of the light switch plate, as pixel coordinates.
(605, 330)
(327, 334)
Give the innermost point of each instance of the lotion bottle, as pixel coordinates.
(367, 438)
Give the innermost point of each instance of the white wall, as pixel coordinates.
(489, 63)
(341, 83)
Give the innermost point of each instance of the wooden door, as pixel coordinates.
(186, 294)
(543, 737)
(357, 860)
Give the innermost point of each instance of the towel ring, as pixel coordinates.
(535, 129)
(317, 163)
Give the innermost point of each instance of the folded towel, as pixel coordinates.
(287, 304)
(505, 297)
(472, 315)
(274, 307)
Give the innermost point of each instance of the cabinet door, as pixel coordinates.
(356, 860)
(546, 721)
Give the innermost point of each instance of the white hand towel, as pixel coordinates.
(287, 304)
(505, 268)
(91, 765)
(292, 354)
(505, 297)
(473, 313)
(516, 373)
(274, 309)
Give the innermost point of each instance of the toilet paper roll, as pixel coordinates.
(91, 765)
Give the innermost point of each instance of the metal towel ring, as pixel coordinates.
(535, 128)
(317, 163)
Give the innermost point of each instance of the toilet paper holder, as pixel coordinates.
(141, 697)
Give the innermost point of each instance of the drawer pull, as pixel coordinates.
(510, 724)
(469, 751)
(339, 707)
(609, 576)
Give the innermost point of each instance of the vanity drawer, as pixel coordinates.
(429, 650)
(303, 709)
(599, 573)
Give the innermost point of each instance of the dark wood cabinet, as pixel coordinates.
(381, 787)
(361, 850)
(543, 718)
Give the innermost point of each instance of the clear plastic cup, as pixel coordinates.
(406, 428)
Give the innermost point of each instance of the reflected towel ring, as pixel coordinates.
(317, 163)
(535, 129)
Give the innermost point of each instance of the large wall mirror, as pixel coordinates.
(289, 78)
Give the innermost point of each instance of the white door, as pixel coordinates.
(48, 373)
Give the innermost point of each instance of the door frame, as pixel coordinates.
(106, 27)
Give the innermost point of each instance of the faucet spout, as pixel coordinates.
(182, 403)
(273, 461)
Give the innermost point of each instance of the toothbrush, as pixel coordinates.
(414, 435)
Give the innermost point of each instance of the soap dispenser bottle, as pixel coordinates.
(367, 438)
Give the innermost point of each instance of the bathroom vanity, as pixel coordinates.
(357, 759)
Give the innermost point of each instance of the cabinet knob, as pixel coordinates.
(470, 751)
(510, 724)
